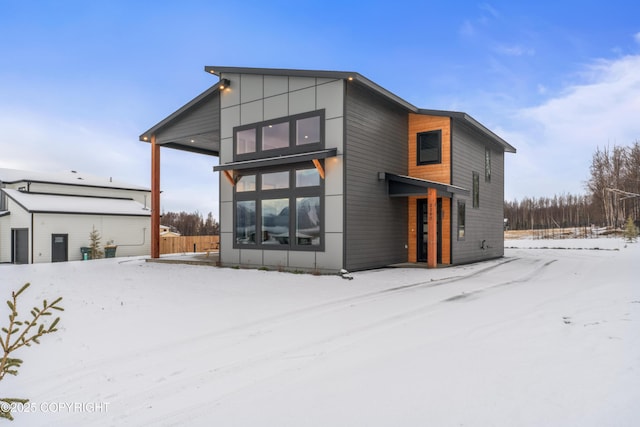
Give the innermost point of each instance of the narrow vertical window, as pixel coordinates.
(275, 221)
(461, 219)
(476, 190)
(487, 164)
(246, 222)
(308, 221)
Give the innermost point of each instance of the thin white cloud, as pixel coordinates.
(514, 50)
(467, 29)
(636, 37)
(556, 140)
(488, 8)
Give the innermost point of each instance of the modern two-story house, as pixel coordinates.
(326, 170)
(48, 217)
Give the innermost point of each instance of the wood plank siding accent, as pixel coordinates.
(420, 123)
(437, 172)
(376, 141)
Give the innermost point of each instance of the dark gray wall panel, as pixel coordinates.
(486, 222)
(376, 141)
(202, 119)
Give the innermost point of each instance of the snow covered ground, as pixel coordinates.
(540, 337)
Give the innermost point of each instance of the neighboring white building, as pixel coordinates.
(46, 217)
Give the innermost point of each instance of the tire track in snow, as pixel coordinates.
(288, 358)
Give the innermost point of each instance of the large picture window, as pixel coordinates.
(280, 209)
(429, 147)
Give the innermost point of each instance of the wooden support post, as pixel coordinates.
(432, 225)
(155, 198)
(318, 166)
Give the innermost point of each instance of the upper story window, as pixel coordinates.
(287, 135)
(429, 145)
(487, 165)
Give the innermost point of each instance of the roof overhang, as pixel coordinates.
(404, 186)
(349, 76)
(473, 123)
(190, 128)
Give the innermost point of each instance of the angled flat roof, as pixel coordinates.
(467, 119)
(351, 76)
(12, 176)
(403, 186)
(174, 131)
(64, 204)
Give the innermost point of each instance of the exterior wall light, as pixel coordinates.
(223, 84)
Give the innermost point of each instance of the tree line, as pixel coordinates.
(612, 195)
(191, 224)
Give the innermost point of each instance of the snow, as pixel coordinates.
(65, 177)
(49, 203)
(540, 337)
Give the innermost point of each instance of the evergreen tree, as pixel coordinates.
(94, 245)
(630, 231)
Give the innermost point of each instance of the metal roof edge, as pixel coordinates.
(471, 121)
(345, 75)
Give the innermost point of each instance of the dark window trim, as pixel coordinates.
(291, 149)
(429, 162)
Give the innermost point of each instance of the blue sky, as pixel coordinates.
(80, 80)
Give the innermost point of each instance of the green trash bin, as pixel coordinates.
(86, 253)
(110, 251)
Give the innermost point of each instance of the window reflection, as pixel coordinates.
(275, 180)
(275, 221)
(246, 222)
(246, 183)
(246, 141)
(308, 130)
(308, 221)
(307, 178)
(275, 136)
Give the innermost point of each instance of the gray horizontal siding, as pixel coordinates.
(376, 141)
(486, 222)
(201, 119)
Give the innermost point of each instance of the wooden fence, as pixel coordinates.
(181, 244)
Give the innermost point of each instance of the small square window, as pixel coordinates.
(307, 178)
(246, 183)
(429, 147)
(246, 141)
(275, 180)
(275, 136)
(308, 130)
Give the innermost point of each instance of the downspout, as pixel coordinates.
(32, 239)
